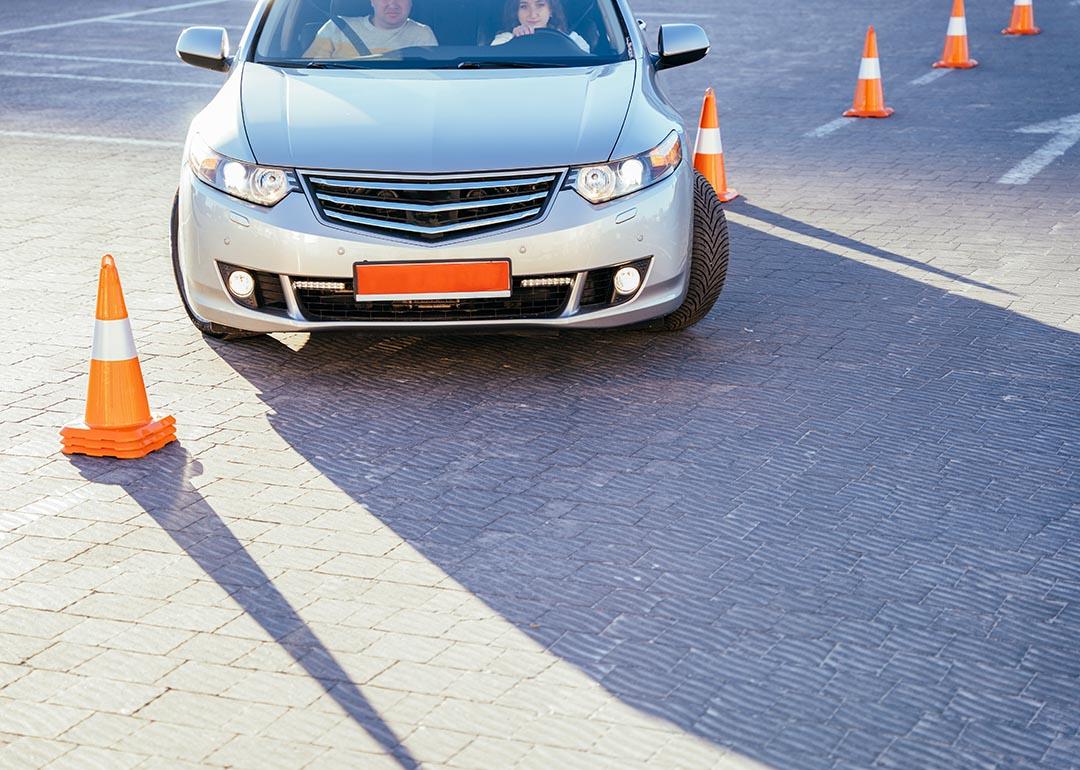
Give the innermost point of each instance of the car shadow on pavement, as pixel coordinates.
(825, 527)
(161, 484)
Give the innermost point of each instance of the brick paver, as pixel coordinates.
(833, 526)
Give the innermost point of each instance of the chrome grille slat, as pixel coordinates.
(437, 230)
(464, 184)
(431, 209)
(393, 205)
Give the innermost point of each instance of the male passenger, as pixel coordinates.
(388, 29)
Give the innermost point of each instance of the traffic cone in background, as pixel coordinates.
(869, 95)
(1023, 20)
(709, 149)
(118, 420)
(956, 54)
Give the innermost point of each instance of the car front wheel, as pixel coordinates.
(708, 261)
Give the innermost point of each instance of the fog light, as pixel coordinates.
(627, 280)
(241, 284)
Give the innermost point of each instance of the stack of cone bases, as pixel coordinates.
(869, 95)
(956, 54)
(118, 421)
(709, 149)
(1023, 20)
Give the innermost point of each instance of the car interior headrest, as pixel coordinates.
(352, 8)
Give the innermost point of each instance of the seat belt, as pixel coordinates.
(350, 35)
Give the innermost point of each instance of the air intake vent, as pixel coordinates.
(547, 300)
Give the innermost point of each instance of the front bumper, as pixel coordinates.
(290, 243)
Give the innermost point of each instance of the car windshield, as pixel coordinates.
(441, 34)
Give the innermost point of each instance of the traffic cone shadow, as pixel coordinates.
(709, 149)
(118, 422)
(869, 95)
(164, 488)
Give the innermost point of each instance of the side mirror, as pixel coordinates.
(206, 47)
(681, 44)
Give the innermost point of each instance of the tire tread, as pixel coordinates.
(709, 259)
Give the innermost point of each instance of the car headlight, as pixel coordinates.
(606, 181)
(263, 185)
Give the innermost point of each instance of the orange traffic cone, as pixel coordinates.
(1023, 20)
(118, 421)
(869, 96)
(709, 149)
(956, 41)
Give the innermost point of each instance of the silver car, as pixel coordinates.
(443, 164)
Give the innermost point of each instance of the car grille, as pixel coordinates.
(431, 209)
(524, 303)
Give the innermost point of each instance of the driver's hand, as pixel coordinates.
(524, 29)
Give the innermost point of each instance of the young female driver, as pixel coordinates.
(524, 17)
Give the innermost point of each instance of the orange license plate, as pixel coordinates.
(432, 280)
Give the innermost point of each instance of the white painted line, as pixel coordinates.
(1066, 134)
(930, 77)
(666, 15)
(96, 79)
(93, 19)
(85, 138)
(828, 128)
(177, 24)
(96, 59)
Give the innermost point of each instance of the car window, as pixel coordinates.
(439, 34)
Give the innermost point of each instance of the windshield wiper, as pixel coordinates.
(483, 64)
(297, 63)
(332, 65)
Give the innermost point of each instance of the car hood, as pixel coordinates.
(434, 121)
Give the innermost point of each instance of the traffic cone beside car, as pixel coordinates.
(869, 95)
(709, 149)
(118, 421)
(1023, 20)
(956, 55)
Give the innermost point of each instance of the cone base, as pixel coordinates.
(727, 195)
(123, 443)
(1011, 31)
(869, 113)
(964, 65)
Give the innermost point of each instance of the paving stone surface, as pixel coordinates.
(835, 525)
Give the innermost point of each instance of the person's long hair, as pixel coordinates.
(557, 21)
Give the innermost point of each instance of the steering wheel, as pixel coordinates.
(350, 34)
(552, 35)
(553, 31)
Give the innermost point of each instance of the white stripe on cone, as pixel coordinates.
(870, 69)
(1022, 2)
(708, 142)
(113, 341)
(957, 26)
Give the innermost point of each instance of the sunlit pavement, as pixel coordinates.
(836, 525)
